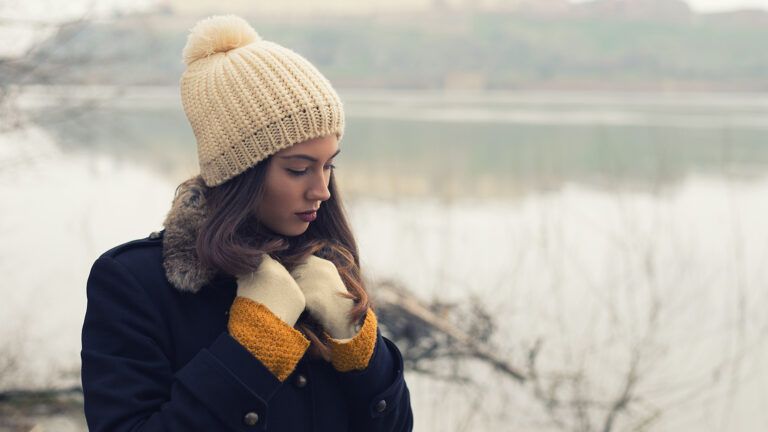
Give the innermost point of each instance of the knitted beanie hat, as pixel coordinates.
(247, 98)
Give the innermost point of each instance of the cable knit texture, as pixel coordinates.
(247, 98)
(355, 354)
(273, 342)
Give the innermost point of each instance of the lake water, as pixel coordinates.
(625, 232)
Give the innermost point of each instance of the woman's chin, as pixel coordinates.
(293, 231)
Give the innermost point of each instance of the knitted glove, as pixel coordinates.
(262, 317)
(351, 345)
(275, 288)
(322, 286)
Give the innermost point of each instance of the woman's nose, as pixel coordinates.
(318, 190)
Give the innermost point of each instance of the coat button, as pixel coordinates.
(381, 406)
(301, 381)
(251, 419)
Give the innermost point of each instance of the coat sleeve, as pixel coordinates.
(128, 381)
(378, 395)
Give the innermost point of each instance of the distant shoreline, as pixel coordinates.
(696, 110)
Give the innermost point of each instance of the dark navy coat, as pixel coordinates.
(158, 359)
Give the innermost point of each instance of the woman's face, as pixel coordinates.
(297, 181)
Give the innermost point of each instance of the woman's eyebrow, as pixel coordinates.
(307, 157)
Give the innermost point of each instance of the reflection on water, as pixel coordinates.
(60, 212)
(395, 154)
(673, 281)
(605, 242)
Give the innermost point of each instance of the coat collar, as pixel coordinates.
(180, 261)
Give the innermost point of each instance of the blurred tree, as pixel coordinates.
(30, 64)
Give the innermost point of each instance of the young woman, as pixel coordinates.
(248, 311)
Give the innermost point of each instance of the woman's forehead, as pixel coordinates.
(322, 147)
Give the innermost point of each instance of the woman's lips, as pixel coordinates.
(307, 217)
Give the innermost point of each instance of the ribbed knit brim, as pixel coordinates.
(247, 102)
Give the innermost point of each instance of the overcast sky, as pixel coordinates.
(44, 9)
(715, 5)
(720, 5)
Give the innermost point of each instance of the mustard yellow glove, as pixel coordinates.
(262, 317)
(322, 286)
(356, 353)
(351, 346)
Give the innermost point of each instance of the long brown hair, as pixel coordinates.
(233, 241)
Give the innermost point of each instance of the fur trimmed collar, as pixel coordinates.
(180, 261)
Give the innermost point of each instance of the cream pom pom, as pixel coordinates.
(219, 33)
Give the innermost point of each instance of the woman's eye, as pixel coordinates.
(298, 173)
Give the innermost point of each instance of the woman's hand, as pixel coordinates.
(324, 292)
(275, 288)
(262, 317)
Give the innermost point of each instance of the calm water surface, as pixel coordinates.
(625, 233)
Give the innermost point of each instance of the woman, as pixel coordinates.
(248, 311)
